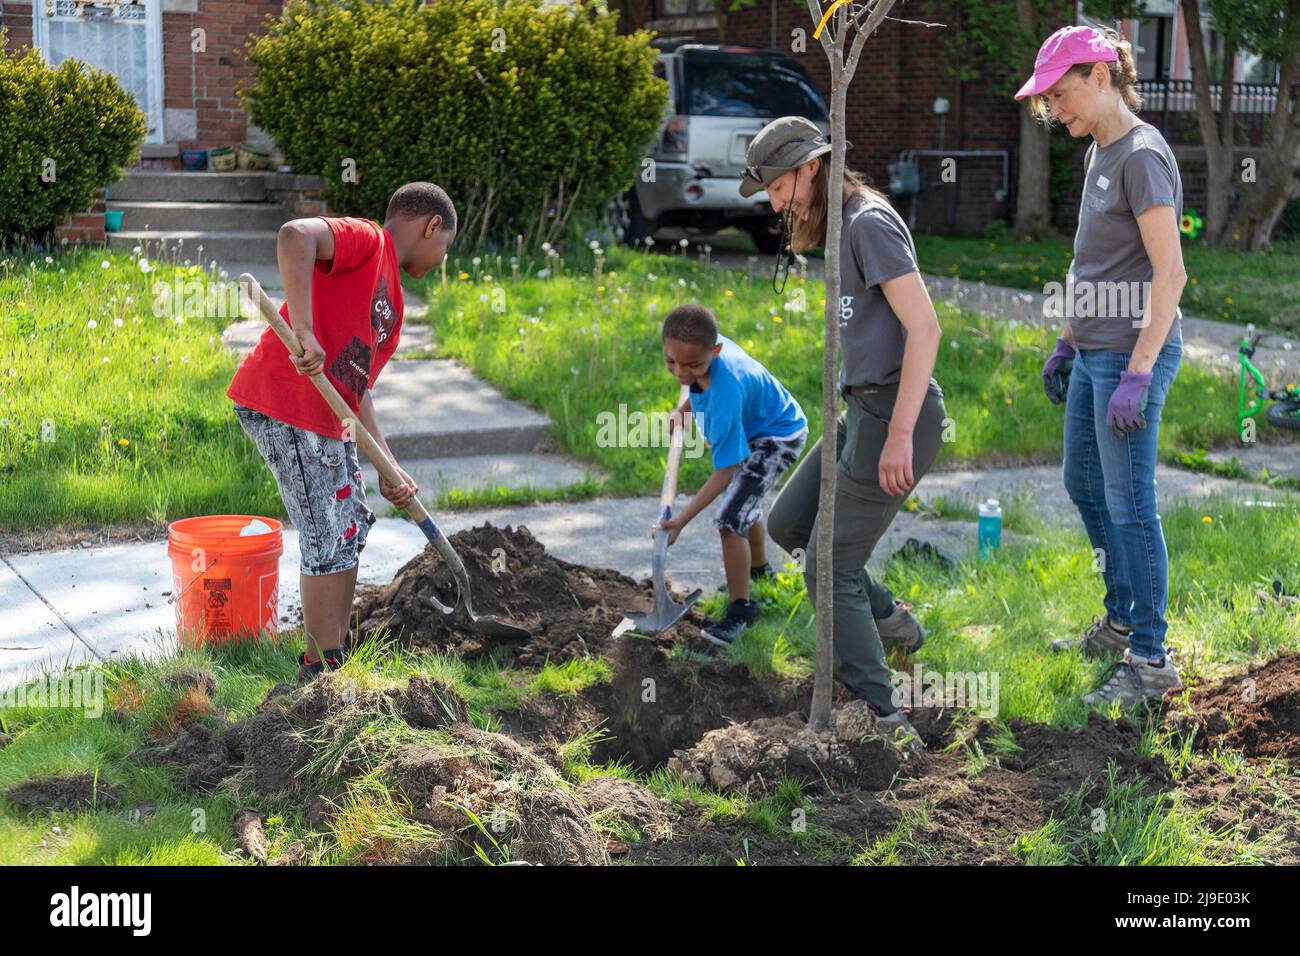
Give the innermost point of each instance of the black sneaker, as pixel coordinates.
(740, 614)
(331, 660)
(760, 573)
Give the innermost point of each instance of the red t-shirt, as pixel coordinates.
(357, 304)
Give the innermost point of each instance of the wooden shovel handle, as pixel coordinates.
(669, 493)
(383, 464)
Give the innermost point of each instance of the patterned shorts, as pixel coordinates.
(769, 459)
(322, 488)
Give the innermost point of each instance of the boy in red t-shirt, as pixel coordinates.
(344, 274)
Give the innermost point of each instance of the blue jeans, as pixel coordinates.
(1112, 481)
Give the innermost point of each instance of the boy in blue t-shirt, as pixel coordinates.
(756, 430)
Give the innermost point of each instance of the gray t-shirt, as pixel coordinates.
(875, 246)
(1110, 276)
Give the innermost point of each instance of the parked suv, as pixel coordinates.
(720, 97)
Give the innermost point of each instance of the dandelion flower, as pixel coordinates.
(91, 324)
(1206, 519)
(124, 442)
(104, 264)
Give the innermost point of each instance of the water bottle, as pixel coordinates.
(990, 526)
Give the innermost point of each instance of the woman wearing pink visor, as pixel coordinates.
(1119, 350)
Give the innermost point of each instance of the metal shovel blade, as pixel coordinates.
(486, 624)
(666, 611)
(463, 611)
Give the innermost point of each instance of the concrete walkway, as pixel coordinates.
(72, 606)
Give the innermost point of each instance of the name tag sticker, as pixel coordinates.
(1103, 182)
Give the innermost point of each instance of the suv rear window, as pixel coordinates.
(748, 84)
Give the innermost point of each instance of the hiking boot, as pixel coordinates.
(308, 671)
(740, 614)
(901, 630)
(1130, 682)
(760, 573)
(1100, 639)
(898, 730)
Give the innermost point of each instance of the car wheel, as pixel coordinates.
(637, 228)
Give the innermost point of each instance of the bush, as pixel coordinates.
(524, 115)
(76, 116)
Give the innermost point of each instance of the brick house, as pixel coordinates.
(183, 59)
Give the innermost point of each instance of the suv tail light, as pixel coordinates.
(676, 138)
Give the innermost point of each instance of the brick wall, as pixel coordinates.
(199, 86)
(84, 227)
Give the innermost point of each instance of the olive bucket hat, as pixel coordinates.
(780, 146)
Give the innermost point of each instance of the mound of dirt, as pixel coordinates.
(76, 791)
(570, 609)
(754, 757)
(615, 800)
(1257, 713)
(303, 741)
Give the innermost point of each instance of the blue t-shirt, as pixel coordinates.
(743, 403)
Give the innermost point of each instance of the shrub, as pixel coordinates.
(64, 133)
(523, 114)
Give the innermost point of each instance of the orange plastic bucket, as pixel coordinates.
(225, 587)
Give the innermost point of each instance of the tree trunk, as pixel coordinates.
(1033, 175)
(1218, 153)
(820, 716)
(1033, 214)
(1257, 215)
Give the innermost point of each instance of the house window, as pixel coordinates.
(1153, 47)
(681, 8)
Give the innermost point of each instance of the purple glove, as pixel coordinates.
(1124, 411)
(1056, 372)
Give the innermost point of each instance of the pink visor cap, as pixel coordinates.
(1065, 48)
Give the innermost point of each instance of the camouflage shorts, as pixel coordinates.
(322, 488)
(769, 459)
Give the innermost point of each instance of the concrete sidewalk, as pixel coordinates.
(71, 606)
(74, 606)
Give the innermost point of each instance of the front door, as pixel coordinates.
(122, 37)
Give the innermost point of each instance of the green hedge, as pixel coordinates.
(76, 116)
(553, 121)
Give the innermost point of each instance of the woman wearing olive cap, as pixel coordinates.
(1118, 354)
(892, 427)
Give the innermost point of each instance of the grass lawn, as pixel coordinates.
(1242, 287)
(985, 616)
(577, 344)
(110, 408)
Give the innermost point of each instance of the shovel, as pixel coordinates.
(666, 611)
(462, 613)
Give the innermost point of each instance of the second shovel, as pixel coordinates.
(666, 611)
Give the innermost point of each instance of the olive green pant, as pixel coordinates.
(862, 513)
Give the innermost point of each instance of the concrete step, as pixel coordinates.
(219, 244)
(179, 186)
(436, 409)
(477, 472)
(162, 216)
(242, 336)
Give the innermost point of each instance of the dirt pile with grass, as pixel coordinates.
(1257, 713)
(339, 747)
(63, 792)
(570, 609)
